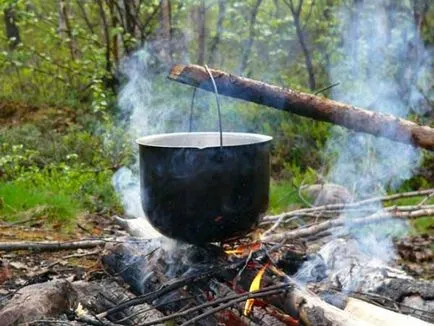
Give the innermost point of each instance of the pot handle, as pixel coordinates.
(218, 106)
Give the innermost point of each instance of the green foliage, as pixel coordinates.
(57, 175)
(423, 225)
(283, 196)
(58, 192)
(75, 64)
(20, 201)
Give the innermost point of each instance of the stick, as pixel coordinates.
(300, 212)
(209, 312)
(323, 226)
(167, 288)
(51, 245)
(230, 299)
(307, 105)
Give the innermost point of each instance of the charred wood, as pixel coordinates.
(103, 295)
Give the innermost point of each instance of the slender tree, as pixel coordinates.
(296, 9)
(12, 30)
(251, 38)
(166, 30)
(219, 30)
(201, 32)
(65, 28)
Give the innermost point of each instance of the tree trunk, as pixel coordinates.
(219, 30)
(12, 30)
(296, 14)
(65, 28)
(307, 105)
(166, 30)
(115, 37)
(106, 32)
(85, 16)
(251, 39)
(202, 32)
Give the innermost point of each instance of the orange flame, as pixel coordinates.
(255, 286)
(244, 249)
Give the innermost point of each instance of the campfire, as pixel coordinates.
(270, 277)
(307, 266)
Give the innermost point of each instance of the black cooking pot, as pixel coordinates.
(195, 190)
(204, 186)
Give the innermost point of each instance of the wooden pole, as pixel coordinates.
(307, 105)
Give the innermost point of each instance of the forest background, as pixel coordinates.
(74, 72)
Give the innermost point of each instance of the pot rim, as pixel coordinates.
(197, 139)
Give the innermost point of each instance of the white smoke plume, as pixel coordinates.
(142, 113)
(382, 66)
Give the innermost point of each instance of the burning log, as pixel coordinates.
(302, 304)
(101, 296)
(307, 105)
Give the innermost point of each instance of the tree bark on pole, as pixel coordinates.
(307, 105)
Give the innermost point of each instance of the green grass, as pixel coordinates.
(58, 196)
(19, 201)
(423, 225)
(283, 196)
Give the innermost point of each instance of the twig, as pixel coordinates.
(236, 298)
(155, 306)
(326, 88)
(63, 245)
(48, 321)
(167, 288)
(50, 245)
(319, 227)
(345, 206)
(423, 201)
(90, 253)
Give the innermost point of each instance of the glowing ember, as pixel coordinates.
(255, 286)
(244, 250)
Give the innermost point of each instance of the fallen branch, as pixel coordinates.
(323, 226)
(345, 206)
(307, 105)
(51, 245)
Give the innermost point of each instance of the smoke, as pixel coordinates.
(140, 115)
(382, 66)
(150, 104)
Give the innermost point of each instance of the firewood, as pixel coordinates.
(375, 315)
(311, 309)
(99, 296)
(307, 105)
(39, 301)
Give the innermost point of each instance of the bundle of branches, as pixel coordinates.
(353, 214)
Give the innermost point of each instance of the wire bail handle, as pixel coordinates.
(218, 106)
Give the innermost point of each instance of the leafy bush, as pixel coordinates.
(57, 175)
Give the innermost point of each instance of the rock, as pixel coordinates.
(39, 301)
(328, 193)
